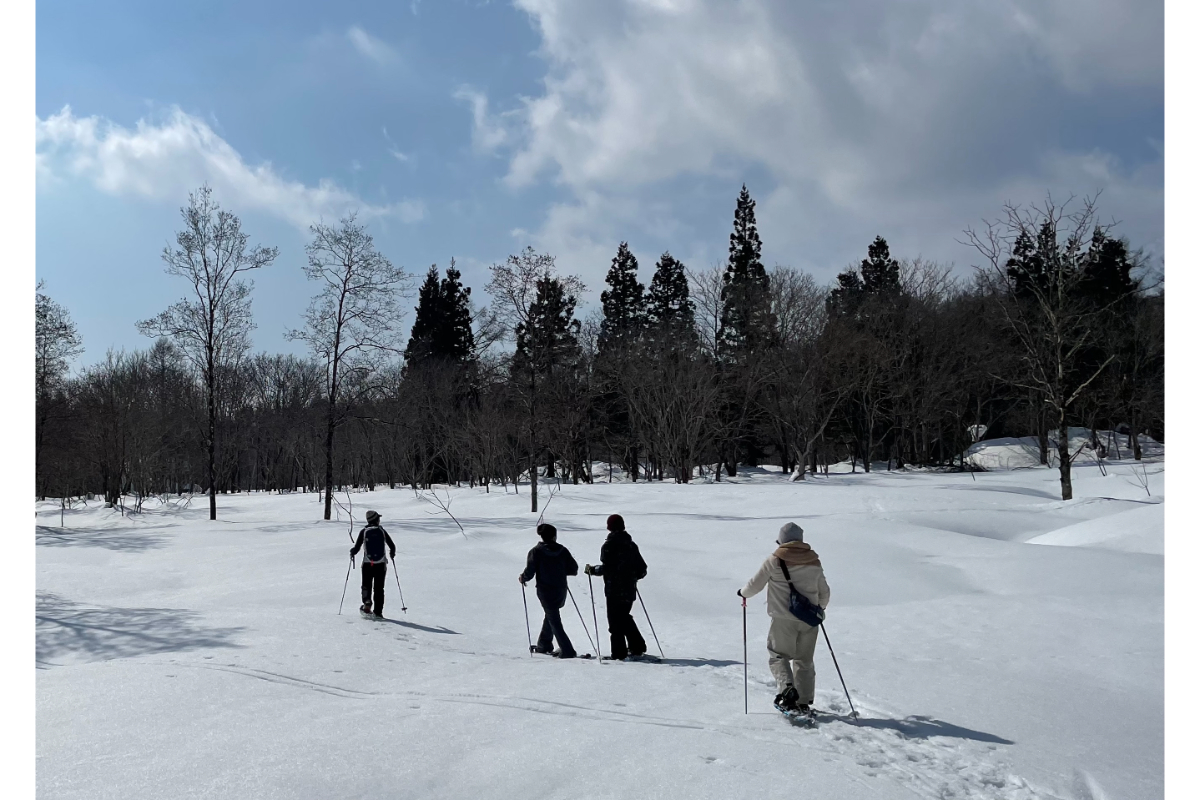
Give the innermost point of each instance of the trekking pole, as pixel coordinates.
(396, 572)
(745, 659)
(584, 624)
(839, 672)
(647, 613)
(528, 635)
(344, 585)
(592, 594)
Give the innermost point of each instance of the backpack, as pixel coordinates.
(374, 545)
(801, 607)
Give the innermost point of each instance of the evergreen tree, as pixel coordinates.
(457, 340)
(1106, 275)
(442, 328)
(670, 313)
(846, 298)
(549, 342)
(746, 314)
(880, 272)
(422, 341)
(624, 304)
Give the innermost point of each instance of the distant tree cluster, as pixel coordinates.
(698, 375)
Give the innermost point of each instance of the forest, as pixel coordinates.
(899, 363)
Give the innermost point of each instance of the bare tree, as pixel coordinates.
(211, 326)
(56, 344)
(355, 317)
(1038, 257)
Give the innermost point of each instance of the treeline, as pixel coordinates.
(698, 373)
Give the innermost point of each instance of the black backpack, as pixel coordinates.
(374, 545)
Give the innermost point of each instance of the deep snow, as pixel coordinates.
(185, 658)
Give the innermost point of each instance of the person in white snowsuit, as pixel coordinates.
(791, 642)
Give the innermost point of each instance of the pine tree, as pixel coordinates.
(880, 272)
(456, 339)
(846, 298)
(670, 313)
(422, 341)
(549, 342)
(624, 304)
(746, 317)
(442, 328)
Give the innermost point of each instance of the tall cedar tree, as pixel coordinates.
(624, 304)
(880, 272)
(549, 343)
(746, 316)
(670, 313)
(442, 328)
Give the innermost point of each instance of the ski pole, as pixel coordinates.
(745, 659)
(647, 613)
(584, 624)
(396, 572)
(528, 635)
(344, 585)
(839, 672)
(592, 594)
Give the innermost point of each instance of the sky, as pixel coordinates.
(469, 130)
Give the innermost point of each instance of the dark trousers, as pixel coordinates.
(373, 574)
(622, 630)
(552, 601)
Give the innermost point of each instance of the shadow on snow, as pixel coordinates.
(65, 628)
(129, 541)
(918, 727)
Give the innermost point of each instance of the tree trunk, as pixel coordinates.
(212, 439)
(533, 482)
(1064, 458)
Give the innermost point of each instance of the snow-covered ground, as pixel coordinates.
(184, 658)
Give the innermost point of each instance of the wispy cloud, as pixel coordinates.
(488, 132)
(371, 47)
(166, 159)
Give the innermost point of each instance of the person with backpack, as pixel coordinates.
(621, 565)
(551, 563)
(793, 568)
(374, 566)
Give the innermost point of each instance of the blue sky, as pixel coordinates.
(471, 129)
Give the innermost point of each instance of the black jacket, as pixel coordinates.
(621, 565)
(551, 563)
(375, 538)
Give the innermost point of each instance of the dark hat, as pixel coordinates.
(616, 523)
(372, 517)
(547, 531)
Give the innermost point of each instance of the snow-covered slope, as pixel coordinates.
(185, 658)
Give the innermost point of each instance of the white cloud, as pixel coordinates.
(907, 119)
(167, 159)
(371, 47)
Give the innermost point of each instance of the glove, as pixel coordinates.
(739, 593)
(352, 552)
(521, 579)
(587, 569)
(393, 555)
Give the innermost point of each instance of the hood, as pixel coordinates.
(552, 549)
(620, 537)
(797, 554)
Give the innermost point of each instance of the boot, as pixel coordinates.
(786, 700)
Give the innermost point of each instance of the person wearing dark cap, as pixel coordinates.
(551, 563)
(790, 641)
(621, 565)
(374, 567)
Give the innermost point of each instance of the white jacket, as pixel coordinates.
(807, 576)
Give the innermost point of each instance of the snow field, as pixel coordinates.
(180, 657)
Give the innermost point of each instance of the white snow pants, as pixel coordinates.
(791, 644)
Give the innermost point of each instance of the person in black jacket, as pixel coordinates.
(551, 563)
(374, 567)
(621, 566)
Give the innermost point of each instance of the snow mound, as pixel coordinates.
(1022, 452)
(1137, 531)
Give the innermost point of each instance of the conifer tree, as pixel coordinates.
(880, 272)
(670, 312)
(457, 339)
(746, 316)
(549, 341)
(624, 304)
(422, 341)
